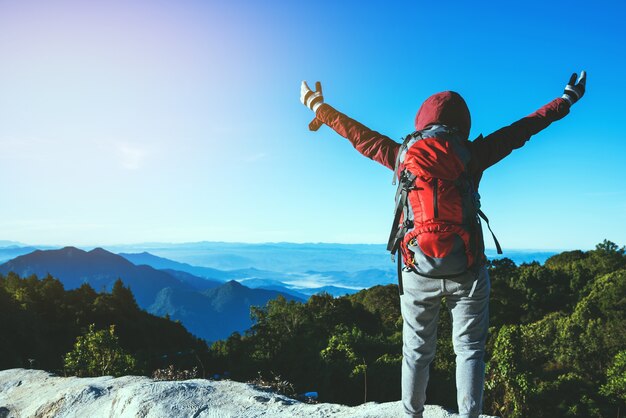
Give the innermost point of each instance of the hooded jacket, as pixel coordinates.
(446, 108)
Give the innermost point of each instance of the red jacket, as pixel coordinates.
(485, 151)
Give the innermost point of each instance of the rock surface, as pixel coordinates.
(35, 393)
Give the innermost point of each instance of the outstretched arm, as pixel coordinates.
(371, 144)
(489, 150)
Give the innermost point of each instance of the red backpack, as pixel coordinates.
(437, 218)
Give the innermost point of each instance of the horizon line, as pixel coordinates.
(183, 243)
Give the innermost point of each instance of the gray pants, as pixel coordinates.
(467, 299)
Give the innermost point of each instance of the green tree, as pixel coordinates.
(508, 383)
(347, 346)
(615, 386)
(384, 301)
(543, 291)
(123, 297)
(98, 353)
(582, 268)
(505, 301)
(594, 333)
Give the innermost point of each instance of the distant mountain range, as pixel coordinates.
(284, 257)
(273, 257)
(277, 257)
(300, 285)
(192, 293)
(164, 263)
(210, 309)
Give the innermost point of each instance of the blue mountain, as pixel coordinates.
(98, 267)
(215, 313)
(337, 283)
(167, 264)
(198, 283)
(208, 308)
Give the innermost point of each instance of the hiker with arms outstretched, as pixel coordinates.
(437, 229)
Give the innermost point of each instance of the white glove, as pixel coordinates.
(574, 91)
(309, 98)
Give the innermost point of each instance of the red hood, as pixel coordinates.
(445, 108)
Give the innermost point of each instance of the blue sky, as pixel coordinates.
(133, 121)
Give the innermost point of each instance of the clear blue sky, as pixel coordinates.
(130, 121)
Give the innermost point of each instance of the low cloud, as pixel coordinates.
(255, 157)
(131, 156)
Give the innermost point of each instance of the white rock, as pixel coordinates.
(27, 393)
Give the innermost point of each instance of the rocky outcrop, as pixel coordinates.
(35, 393)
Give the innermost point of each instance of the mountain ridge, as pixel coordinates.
(209, 309)
(98, 267)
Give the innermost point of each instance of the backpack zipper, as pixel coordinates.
(435, 205)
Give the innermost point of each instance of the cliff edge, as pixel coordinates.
(38, 393)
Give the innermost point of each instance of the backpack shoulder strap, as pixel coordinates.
(407, 183)
(409, 140)
(495, 240)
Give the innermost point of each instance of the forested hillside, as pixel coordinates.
(40, 321)
(557, 344)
